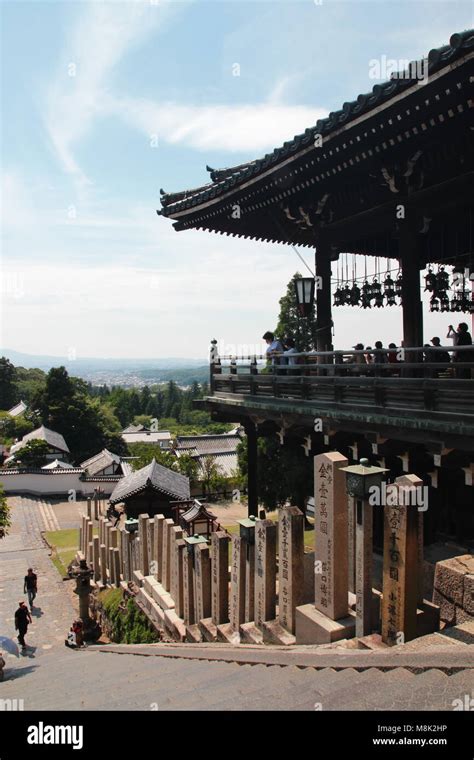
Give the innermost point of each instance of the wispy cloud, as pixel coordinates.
(103, 34)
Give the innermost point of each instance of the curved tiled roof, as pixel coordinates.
(42, 433)
(100, 461)
(225, 179)
(154, 476)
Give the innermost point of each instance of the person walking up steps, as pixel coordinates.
(30, 586)
(22, 620)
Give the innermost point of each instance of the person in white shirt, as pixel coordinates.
(274, 348)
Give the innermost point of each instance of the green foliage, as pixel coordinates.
(12, 428)
(129, 624)
(32, 454)
(5, 520)
(284, 472)
(146, 452)
(291, 324)
(8, 390)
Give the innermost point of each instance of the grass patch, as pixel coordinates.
(64, 545)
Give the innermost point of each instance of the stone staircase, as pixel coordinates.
(174, 676)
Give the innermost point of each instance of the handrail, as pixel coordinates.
(347, 352)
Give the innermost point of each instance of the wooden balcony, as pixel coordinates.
(433, 399)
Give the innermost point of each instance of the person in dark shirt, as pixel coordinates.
(30, 586)
(22, 620)
(462, 337)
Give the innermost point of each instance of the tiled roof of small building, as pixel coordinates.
(153, 476)
(100, 461)
(198, 445)
(42, 433)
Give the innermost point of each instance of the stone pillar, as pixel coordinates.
(250, 583)
(96, 557)
(143, 535)
(291, 565)
(89, 509)
(202, 577)
(125, 537)
(179, 554)
(108, 528)
(111, 566)
(83, 534)
(364, 562)
(89, 537)
(331, 535)
(237, 588)
(188, 588)
(175, 535)
(116, 565)
(158, 539)
(96, 509)
(151, 545)
(418, 488)
(113, 538)
(166, 569)
(103, 564)
(265, 571)
(220, 577)
(400, 570)
(351, 542)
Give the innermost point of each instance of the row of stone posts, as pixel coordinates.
(262, 588)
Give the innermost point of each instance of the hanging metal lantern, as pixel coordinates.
(375, 288)
(398, 286)
(430, 281)
(355, 295)
(389, 290)
(338, 297)
(434, 304)
(304, 290)
(378, 301)
(444, 302)
(366, 295)
(442, 280)
(346, 295)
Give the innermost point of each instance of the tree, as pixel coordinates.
(5, 520)
(210, 472)
(8, 390)
(291, 324)
(33, 454)
(188, 466)
(64, 407)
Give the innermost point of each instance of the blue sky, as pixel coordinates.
(103, 103)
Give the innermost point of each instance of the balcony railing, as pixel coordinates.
(342, 378)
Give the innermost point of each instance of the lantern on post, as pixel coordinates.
(360, 478)
(192, 541)
(247, 529)
(304, 290)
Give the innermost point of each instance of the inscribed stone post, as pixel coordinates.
(111, 565)
(89, 509)
(103, 564)
(151, 544)
(290, 565)
(202, 577)
(108, 528)
(96, 509)
(125, 537)
(179, 552)
(265, 571)
(96, 557)
(237, 582)
(188, 588)
(331, 535)
(250, 583)
(114, 538)
(351, 542)
(176, 534)
(158, 539)
(143, 535)
(90, 534)
(400, 570)
(417, 487)
(166, 569)
(220, 577)
(364, 562)
(116, 564)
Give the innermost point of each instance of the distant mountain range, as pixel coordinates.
(126, 372)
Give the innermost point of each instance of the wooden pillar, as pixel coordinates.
(323, 297)
(252, 473)
(411, 296)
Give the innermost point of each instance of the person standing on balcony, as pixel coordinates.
(461, 337)
(274, 348)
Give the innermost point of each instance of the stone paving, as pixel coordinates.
(53, 610)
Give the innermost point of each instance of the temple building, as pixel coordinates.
(58, 448)
(151, 490)
(388, 176)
